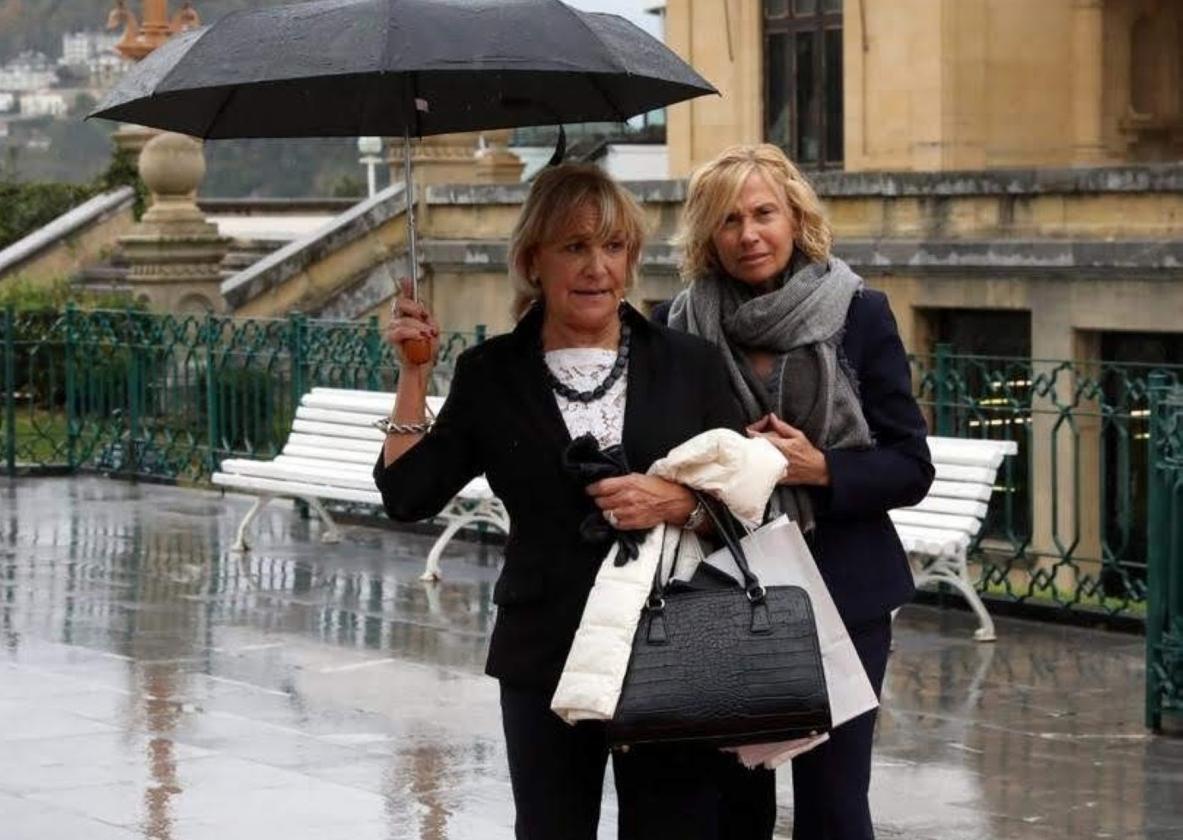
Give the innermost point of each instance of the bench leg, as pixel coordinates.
(240, 543)
(491, 513)
(332, 534)
(432, 592)
(955, 572)
(431, 570)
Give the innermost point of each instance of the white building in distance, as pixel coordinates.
(43, 104)
(94, 52)
(78, 48)
(29, 71)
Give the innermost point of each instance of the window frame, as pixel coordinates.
(789, 25)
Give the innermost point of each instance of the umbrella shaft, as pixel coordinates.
(409, 193)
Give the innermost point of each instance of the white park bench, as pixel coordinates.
(939, 530)
(330, 456)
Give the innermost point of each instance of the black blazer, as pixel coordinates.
(855, 545)
(501, 419)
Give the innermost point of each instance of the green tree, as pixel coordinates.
(348, 186)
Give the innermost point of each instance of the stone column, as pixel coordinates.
(175, 255)
(1065, 441)
(1088, 81)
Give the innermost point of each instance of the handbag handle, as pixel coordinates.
(655, 605)
(751, 583)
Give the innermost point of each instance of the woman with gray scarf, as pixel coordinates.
(816, 362)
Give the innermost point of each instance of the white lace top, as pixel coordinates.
(583, 368)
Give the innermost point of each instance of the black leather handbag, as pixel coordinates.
(723, 666)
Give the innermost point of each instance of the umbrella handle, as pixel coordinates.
(417, 351)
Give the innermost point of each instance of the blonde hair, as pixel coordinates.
(714, 188)
(557, 193)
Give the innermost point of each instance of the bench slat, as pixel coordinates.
(961, 490)
(322, 474)
(369, 447)
(1006, 447)
(328, 415)
(943, 521)
(379, 406)
(959, 507)
(338, 430)
(957, 472)
(320, 453)
(971, 453)
(296, 488)
(359, 467)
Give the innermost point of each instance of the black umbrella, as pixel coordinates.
(400, 67)
(344, 68)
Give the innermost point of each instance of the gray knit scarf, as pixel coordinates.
(801, 322)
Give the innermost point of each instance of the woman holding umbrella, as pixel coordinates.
(579, 361)
(818, 367)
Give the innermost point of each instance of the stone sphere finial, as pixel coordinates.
(172, 166)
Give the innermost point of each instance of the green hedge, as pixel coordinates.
(24, 207)
(30, 206)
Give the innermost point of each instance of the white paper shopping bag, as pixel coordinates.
(779, 556)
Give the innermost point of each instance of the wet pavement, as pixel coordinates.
(154, 685)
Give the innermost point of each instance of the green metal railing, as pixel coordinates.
(1067, 527)
(168, 397)
(1164, 616)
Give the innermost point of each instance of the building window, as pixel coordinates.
(803, 79)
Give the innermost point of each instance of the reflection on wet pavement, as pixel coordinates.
(155, 685)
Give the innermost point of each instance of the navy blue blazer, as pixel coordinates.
(856, 547)
(501, 419)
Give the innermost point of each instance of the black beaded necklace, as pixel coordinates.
(596, 393)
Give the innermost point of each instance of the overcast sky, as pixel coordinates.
(634, 10)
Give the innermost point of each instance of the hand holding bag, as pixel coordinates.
(727, 666)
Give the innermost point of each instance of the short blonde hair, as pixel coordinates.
(712, 193)
(557, 193)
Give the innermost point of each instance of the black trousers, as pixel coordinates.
(830, 782)
(663, 793)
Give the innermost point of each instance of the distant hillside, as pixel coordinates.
(40, 24)
(78, 151)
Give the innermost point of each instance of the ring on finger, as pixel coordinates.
(612, 520)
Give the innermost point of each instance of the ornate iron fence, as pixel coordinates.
(168, 397)
(1067, 524)
(1164, 617)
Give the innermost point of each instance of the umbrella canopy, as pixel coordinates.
(400, 67)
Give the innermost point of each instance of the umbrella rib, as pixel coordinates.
(590, 31)
(217, 114)
(593, 77)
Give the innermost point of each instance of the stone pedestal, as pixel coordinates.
(174, 254)
(454, 158)
(132, 139)
(496, 164)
